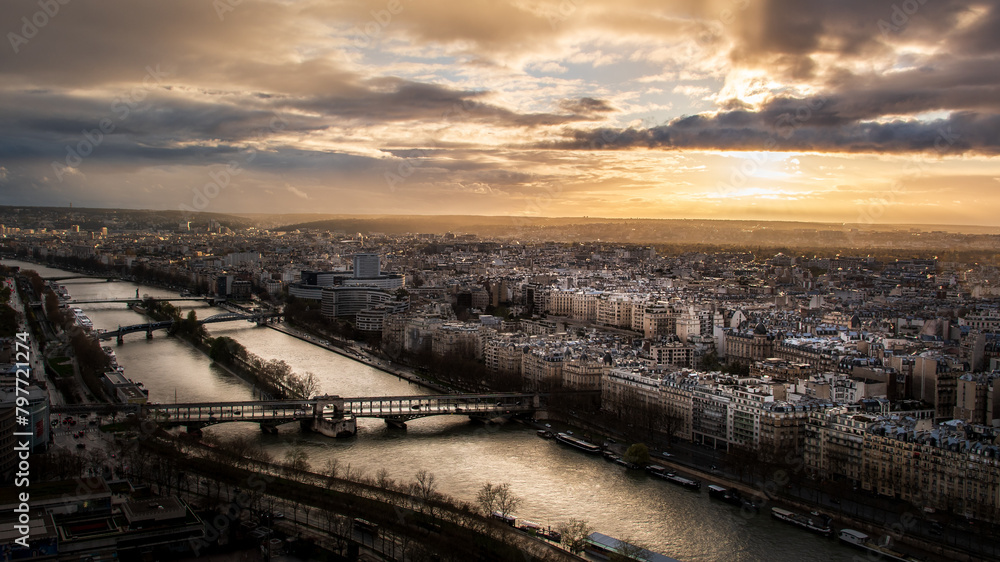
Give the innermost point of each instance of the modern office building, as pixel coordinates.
(366, 266)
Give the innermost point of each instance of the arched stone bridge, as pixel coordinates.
(150, 327)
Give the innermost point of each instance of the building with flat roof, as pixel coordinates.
(366, 266)
(124, 390)
(37, 418)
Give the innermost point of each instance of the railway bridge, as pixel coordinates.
(129, 300)
(331, 415)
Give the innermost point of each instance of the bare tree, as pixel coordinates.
(303, 386)
(383, 481)
(353, 474)
(497, 499)
(336, 527)
(425, 487)
(507, 501)
(575, 534)
(331, 468)
(487, 499)
(296, 462)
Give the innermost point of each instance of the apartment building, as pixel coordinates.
(456, 338)
(978, 398)
(504, 354)
(584, 373)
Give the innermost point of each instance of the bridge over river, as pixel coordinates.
(330, 415)
(80, 276)
(150, 327)
(127, 300)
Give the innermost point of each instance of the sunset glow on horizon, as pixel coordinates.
(853, 112)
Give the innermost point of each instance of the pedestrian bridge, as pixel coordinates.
(340, 413)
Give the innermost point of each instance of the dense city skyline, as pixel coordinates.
(857, 113)
(365, 369)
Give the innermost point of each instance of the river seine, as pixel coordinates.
(556, 483)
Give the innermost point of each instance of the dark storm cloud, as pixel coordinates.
(169, 125)
(586, 106)
(394, 99)
(857, 110)
(787, 34)
(744, 130)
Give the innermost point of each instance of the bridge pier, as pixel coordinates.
(395, 424)
(149, 333)
(346, 426)
(120, 338)
(330, 418)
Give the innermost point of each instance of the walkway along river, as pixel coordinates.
(557, 483)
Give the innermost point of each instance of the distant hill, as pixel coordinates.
(704, 235)
(473, 224)
(115, 219)
(712, 234)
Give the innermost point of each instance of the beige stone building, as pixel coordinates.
(542, 367)
(616, 311)
(457, 338)
(951, 466)
(978, 398)
(660, 355)
(503, 354)
(583, 373)
(748, 347)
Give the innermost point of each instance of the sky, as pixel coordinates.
(854, 112)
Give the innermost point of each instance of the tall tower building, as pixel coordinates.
(366, 266)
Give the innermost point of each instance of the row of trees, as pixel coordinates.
(273, 376)
(418, 517)
(91, 360)
(491, 499)
(640, 417)
(462, 370)
(140, 272)
(186, 327)
(8, 316)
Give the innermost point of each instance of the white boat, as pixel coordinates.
(819, 525)
(585, 446)
(604, 547)
(862, 541)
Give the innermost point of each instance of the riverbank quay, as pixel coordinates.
(878, 517)
(239, 371)
(347, 349)
(106, 275)
(417, 514)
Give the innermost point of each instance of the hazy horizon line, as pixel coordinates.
(332, 216)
